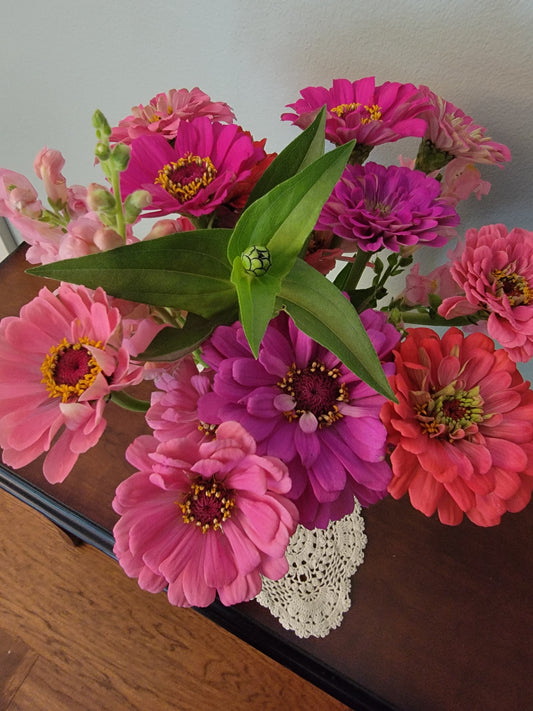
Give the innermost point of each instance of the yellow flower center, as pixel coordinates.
(374, 114)
(342, 109)
(451, 413)
(184, 178)
(512, 285)
(207, 505)
(69, 369)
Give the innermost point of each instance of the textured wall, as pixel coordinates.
(63, 59)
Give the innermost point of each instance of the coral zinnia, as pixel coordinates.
(495, 269)
(375, 207)
(303, 405)
(462, 429)
(59, 361)
(204, 518)
(198, 173)
(165, 113)
(371, 114)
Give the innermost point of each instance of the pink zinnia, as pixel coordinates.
(375, 206)
(195, 175)
(495, 270)
(59, 362)
(165, 113)
(452, 132)
(462, 429)
(303, 405)
(371, 114)
(204, 518)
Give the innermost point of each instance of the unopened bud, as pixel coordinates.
(120, 156)
(256, 260)
(102, 151)
(135, 204)
(100, 123)
(100, 199)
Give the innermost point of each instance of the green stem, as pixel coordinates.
(128, 402)
(358, 267)
(119, 212)
(425, 319)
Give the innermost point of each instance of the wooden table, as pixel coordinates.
(441, 618)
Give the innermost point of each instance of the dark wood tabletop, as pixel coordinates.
(441, 617)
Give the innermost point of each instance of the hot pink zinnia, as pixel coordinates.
(455, 134)
(303, 405)
(198, 173)
(59, 361)
(204, 518)
(462, 429)
(371, 114)
(165, 113)
(377, 206)
(495, 270)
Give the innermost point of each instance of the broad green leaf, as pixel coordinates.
(283, 218)
(320, 310)
(307, 147)
(187, 270)
(173, 343)
(257, 298)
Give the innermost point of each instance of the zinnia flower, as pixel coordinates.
(303, 405)
(495, 270)
(462, 429)
(204, 518)
(377, 206)
(453, 134)
(371, 114)
(59, 361)
(198, 173)
(165, 113)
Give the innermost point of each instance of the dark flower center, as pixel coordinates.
(452, 414)
(315, 389)
(69, 369)
(208, 504)
(184, 178)
(513, 285)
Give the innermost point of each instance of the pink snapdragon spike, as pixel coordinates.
(462, 431)
(462, 179)
(494, 268)
(454, 133)
(204, 518)
(373, 206)
(47, 166)
(197, 174)
(60, 359)
(371, 114)
(303, 405)
(166, 112)
(419, 287)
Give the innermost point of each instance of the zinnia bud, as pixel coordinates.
(256, 260)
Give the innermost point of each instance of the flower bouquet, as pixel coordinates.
(285, 389)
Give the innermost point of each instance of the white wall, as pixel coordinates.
(62, 59)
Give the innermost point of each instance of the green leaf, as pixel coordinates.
(307, 147)
(257, 299)
(173, 343)
(283, 218)
(320, 310)
(187, 270)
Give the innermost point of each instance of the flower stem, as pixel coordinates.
(358, 267)
(128, 402)
(424, 319)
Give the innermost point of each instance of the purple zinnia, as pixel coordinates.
(377, 206)
(303, 405)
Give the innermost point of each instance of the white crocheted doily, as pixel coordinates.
(313, 596)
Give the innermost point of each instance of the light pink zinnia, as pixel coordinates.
(204, 518)
(59, 361)
(197, 174)
(371, 114)
(495, 270)
(452, 132)
(165, 113)
(303, 405)
(462, 429)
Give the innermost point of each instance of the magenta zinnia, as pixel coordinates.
(204, 518)
(494, 267)
(303, 405)
(392, 207)
(462, 429)
(371, 114)
(195, 175)
(60, 360)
